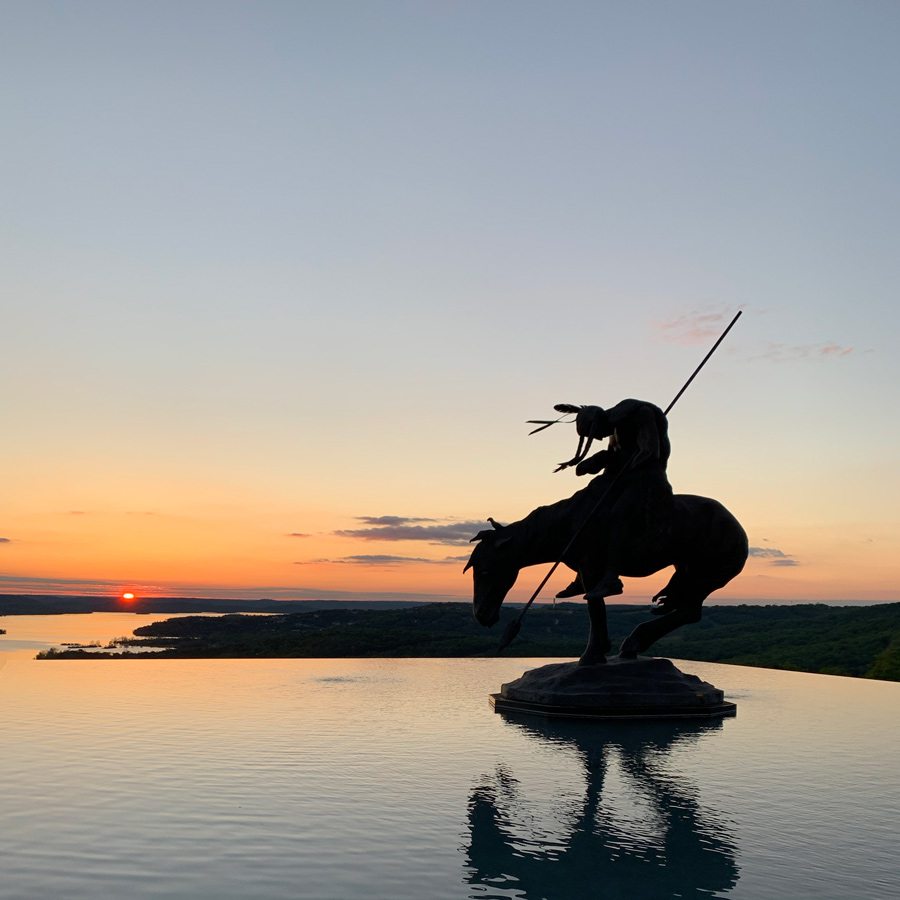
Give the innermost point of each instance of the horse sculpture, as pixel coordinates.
(707, 546)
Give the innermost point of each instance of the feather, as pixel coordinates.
(546, 423)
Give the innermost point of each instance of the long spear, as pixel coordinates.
(512, 630)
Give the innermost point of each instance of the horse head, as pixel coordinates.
(494, 571)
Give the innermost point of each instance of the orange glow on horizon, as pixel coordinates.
(259, 555)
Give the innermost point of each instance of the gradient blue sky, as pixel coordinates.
(271, 267)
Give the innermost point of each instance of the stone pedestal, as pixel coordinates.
(645, 688)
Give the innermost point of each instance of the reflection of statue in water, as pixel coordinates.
(685, 851)
(625, 522)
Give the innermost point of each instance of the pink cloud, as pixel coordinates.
(694, 327)
(793, 353)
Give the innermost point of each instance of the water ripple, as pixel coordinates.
(394, 779)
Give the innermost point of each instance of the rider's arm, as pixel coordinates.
(638, 419)
(593, 464)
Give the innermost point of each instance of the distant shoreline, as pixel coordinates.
(72, 604)
(61, 604)
(855, 641)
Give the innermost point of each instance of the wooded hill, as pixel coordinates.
(844, 640)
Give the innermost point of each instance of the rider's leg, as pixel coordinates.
(598, 575)
(609, 586)
(616, 536)
(574, 589)
(638, 527)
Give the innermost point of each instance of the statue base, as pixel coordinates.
(643, 688)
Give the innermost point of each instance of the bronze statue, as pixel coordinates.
(625, 522)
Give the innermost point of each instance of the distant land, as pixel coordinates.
(849, 640)
(60, 604)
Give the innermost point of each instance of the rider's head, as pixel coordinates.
(593, 422)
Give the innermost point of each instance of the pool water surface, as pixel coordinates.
(385, 778)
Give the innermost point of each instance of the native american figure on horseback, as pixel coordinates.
(625, 522)
(635, 514)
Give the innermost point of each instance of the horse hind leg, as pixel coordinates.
(648, 633)
(680, 603)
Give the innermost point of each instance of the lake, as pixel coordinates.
(383, 778)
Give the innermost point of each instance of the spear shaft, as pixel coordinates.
(715, 347)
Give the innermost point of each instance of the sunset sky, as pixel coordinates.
(283, 281)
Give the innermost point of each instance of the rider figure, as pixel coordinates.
(637, 499)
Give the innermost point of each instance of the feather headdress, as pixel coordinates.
(567, 409)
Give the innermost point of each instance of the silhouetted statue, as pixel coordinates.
(625, 522)
(584, 847)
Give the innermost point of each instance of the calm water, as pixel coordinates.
(394, 779)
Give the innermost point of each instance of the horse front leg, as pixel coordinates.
(598, 644)
(650, 632)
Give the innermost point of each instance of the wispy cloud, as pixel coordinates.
(696, 326)
(298, 534)
(775, 556)
(383, 559)
(23, 584)
(392, 520)
(801, 352)
(5, 540)
(38, 584)
(404, 528)
(701, 325)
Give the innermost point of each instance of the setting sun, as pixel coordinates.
(128, 596)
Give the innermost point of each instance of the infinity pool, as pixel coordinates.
(394, 779)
